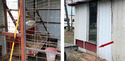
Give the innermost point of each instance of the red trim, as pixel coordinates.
(90, 46)
(80, 43)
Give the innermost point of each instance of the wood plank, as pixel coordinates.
(29, 44)
(10, 34)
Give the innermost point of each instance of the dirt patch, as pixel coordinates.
(81, 56)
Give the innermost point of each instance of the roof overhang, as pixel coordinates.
(81, 2)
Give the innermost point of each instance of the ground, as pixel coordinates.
(81, 56)
(78, 55)
(69, 36)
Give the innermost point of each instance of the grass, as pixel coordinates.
(71, 56)
(69, 36)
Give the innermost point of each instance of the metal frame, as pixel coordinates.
(22, 28)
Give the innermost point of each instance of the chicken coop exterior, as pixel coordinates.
(38, 30)
(99, 27)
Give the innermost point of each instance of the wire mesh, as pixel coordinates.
(42, 29)
(39, 12)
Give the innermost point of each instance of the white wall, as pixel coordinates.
(81, 22)
(118, 35)
(104, 29)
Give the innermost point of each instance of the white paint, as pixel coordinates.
(118, 35)
(81, 22)
(104, 29)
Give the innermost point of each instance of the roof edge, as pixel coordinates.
(81, 2)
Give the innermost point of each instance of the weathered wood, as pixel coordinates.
(10, 34)
(2, 26)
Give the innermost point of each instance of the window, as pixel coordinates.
(92, 21)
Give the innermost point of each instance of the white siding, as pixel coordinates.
(81, 22)
(118, 35)
(104, 29)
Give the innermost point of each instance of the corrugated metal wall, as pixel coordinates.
(118, 35)
(81, 22)
(104, 29)
(2, 38)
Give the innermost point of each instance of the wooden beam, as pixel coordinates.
(22, 28)
(6, 23)
(10, 34)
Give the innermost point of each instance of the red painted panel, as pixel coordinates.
(91, 47)
(80, 43)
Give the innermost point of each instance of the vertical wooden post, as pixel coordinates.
(6, 24)
(22, 26)
(5, 14)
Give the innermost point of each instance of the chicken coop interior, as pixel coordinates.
(30, 30)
